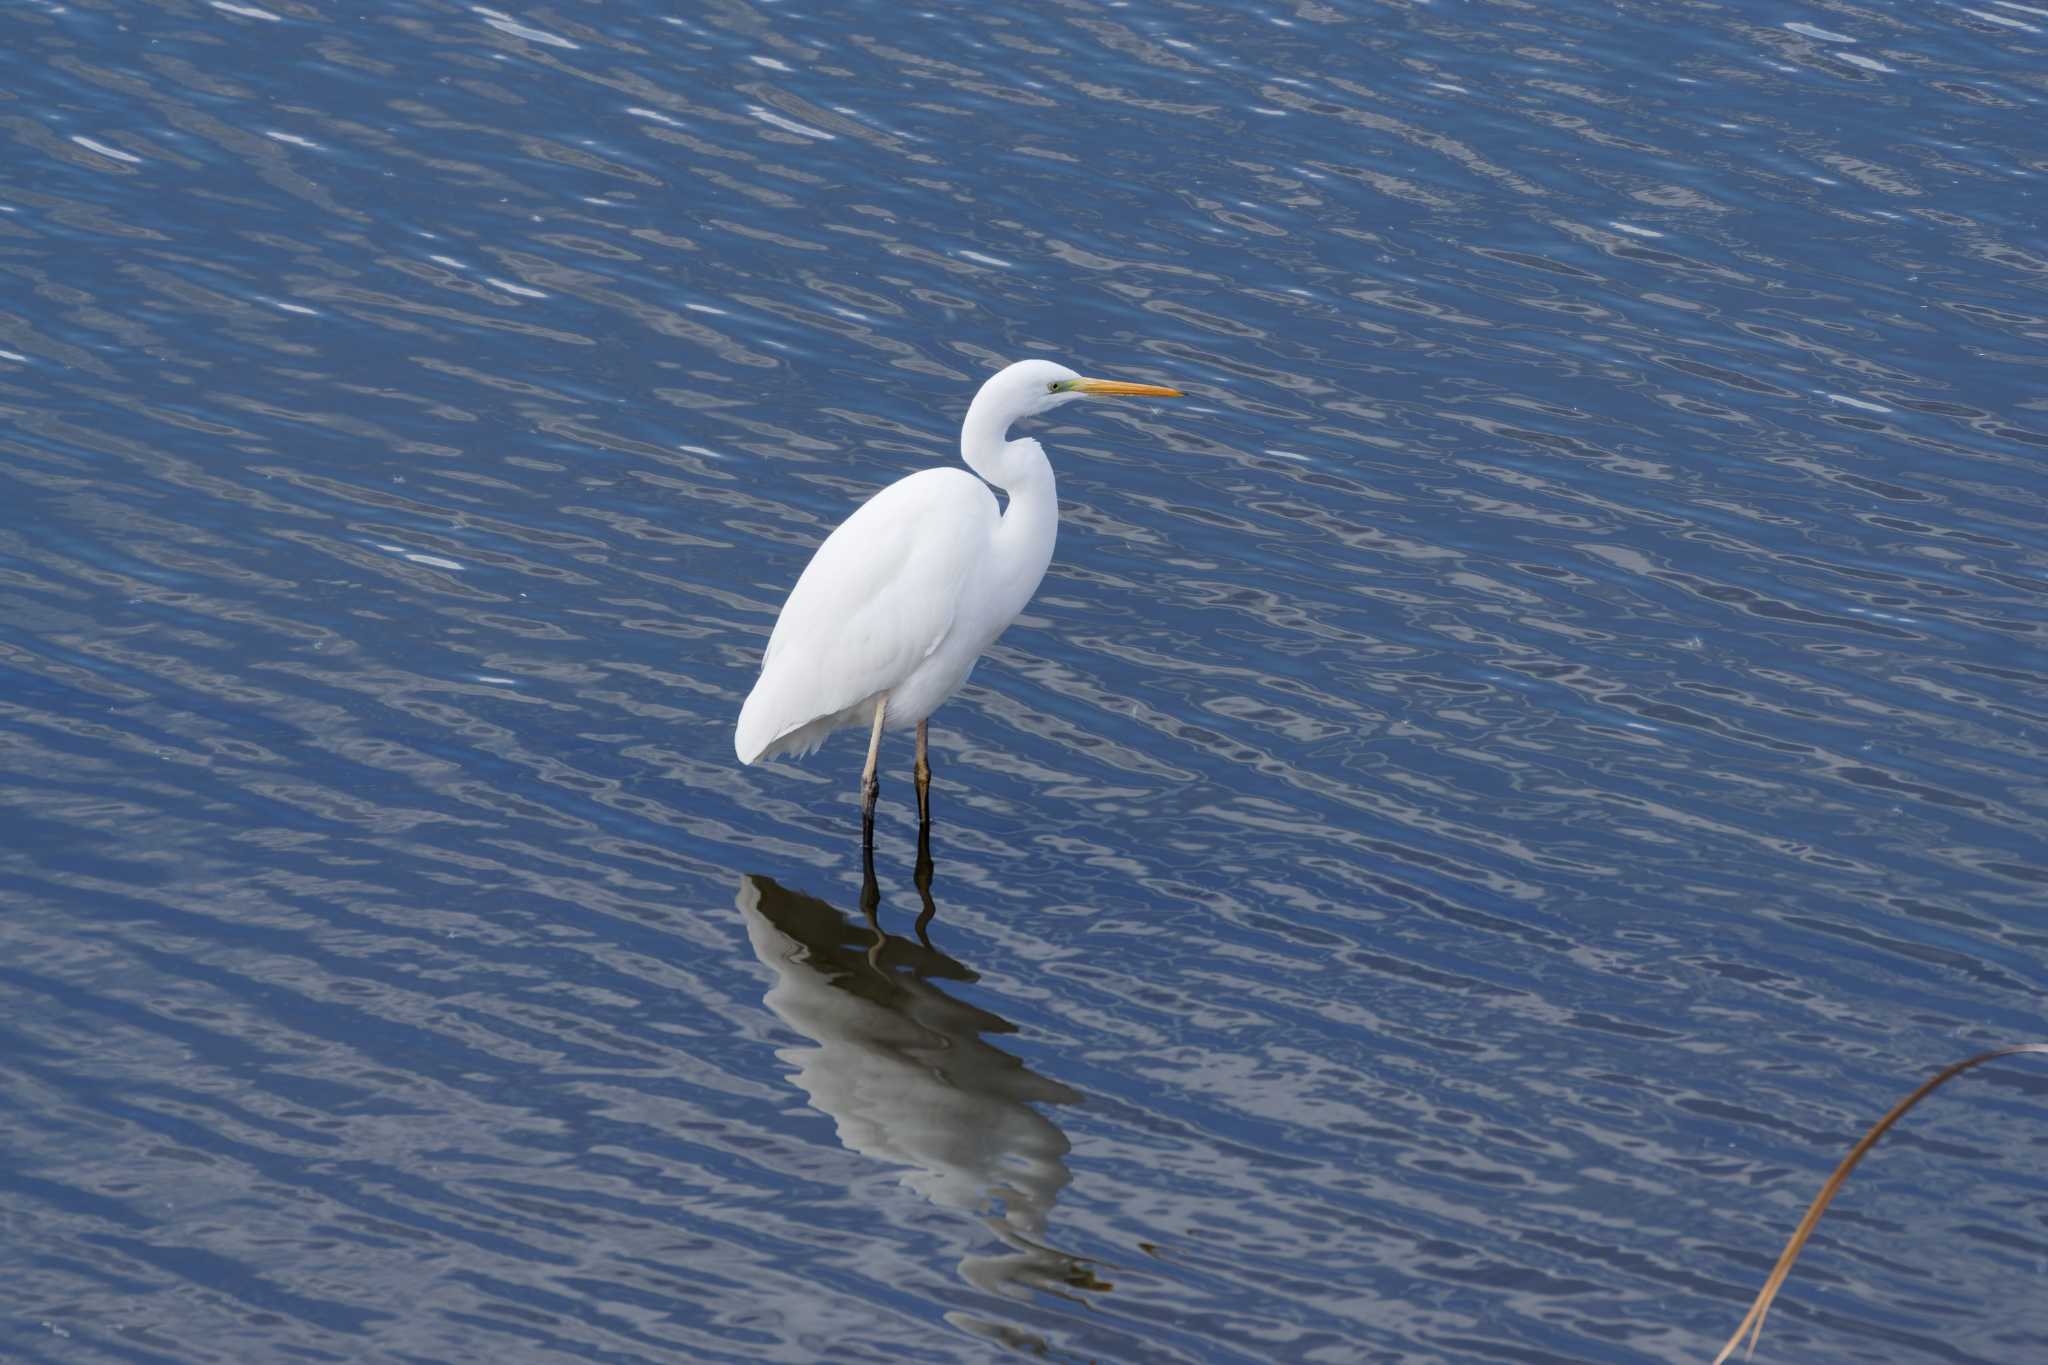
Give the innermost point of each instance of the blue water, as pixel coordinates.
(1501, 783)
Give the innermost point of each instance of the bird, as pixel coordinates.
(899, 602)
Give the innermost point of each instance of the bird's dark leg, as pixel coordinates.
(870, 784)
(924, 783)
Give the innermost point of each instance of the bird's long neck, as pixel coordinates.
(983, 436)
(1023, 542)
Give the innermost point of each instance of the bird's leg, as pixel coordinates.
(924, 781)
(871, 785)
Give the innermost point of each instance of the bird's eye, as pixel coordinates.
(1053, 387)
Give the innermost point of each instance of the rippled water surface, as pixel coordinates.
(1500, 784)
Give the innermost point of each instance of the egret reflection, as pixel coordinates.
(908, 1076)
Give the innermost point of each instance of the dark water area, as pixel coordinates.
(1500, 785)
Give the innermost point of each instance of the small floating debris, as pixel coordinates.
(1806, 30)
(637, 112)
(506, 24)
(422, 559)
(102, 149)
(790, 125)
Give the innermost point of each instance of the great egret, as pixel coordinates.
(898, 603)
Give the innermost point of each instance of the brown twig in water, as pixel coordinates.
(1753, 1322)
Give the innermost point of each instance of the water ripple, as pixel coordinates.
(1498, 786)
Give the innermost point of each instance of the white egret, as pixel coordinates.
(896, 606)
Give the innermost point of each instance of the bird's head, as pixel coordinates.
(1031, 387)
(1022, 390)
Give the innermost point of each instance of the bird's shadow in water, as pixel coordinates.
(920, 877)
(907, 1075)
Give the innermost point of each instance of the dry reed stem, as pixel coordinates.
(1753, 1321)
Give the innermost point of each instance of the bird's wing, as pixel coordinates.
(874, 602)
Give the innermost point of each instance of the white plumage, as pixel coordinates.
(890, 615)
(880, 609)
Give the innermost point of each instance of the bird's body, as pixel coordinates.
(881, 613)
(906, 594)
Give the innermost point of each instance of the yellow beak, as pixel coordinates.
(1115, 388)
